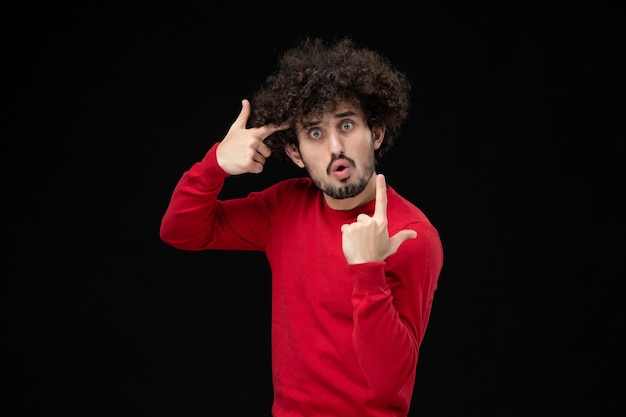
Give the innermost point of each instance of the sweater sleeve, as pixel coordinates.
(392, 302)
(196, 219)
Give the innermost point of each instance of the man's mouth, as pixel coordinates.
(341, 169)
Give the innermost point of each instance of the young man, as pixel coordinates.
(354, 265)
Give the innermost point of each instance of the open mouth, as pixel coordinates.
(341, 169)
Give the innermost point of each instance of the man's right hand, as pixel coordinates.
(242, 150)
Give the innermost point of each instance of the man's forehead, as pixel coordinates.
(339, 112)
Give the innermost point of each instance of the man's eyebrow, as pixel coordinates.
(345, 114)
(312, 123)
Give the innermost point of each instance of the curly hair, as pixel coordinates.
(314, 76)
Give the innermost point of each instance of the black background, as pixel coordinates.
(514, 149)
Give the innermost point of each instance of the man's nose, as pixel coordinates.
(335, 143)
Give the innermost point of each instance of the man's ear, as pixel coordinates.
(292, 152)
(378, 134)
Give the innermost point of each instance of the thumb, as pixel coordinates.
(400, 237)
(242, 119)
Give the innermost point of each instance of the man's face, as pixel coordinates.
(337, 151)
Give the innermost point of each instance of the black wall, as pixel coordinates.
(514, 149)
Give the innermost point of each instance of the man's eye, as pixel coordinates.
(315, 133)
(346, 125)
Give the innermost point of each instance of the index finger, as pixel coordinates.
(267, 130)
(381, 197)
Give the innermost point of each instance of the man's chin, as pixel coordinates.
(344, 191)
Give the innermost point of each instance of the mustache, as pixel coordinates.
(337, 158)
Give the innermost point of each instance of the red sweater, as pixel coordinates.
(345, 338)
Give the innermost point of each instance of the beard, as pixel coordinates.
(347, 189)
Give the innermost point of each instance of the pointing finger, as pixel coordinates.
(263, 131)
(380, 211)
(269, 129)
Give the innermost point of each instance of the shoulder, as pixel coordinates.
(403, 208)
(403, 214)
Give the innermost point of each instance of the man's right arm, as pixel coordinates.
(189, 218)
(192, 219)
